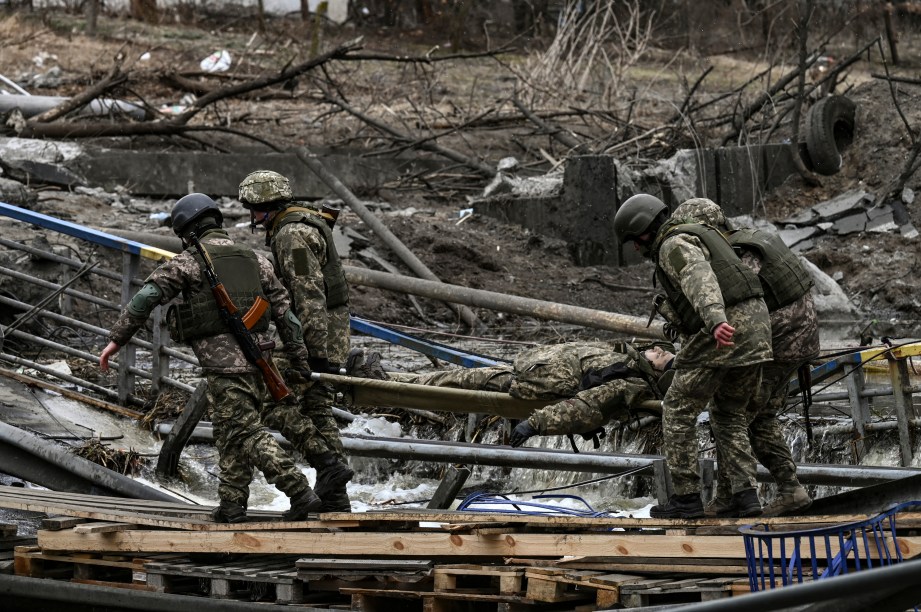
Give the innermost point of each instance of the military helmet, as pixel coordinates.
(635, 216)
(265, 190)
(191, 208)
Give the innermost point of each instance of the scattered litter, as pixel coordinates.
(464, 212)
(172, 109)
(145, 56)
(219, 61)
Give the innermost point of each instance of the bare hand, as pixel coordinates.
(722, 333)
(110, 349)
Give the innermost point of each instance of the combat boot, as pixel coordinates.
(788, 501)
(365, 365)
(337, 501)
(718, 506)
(302, 505)
(679, 506)
(229, 512)
(332, 474)
(745, 503)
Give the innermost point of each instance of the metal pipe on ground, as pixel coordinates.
(46, 463)
(100, 107)
(99, 331)
(565, 313)
(73, 263)
(31, 594)
(67, 377)
(145, 374)
(382, 231)
(549, 459)
(880, 584)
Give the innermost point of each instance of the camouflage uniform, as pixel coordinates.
(794, 341)
(557, 371)
(300, 254)
(235, 387)
(704, 372)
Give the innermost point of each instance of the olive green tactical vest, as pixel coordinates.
(736, 280)
(238, 269)
(782, 275)
(337, 290)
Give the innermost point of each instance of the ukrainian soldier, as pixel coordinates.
(235, 386)
(595, 383)
(308, 264)
(715, 304)
(794, 342)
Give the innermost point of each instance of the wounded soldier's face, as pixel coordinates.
(659, 358)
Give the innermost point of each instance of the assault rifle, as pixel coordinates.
(239, 326)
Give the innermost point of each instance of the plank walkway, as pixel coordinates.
(430, 561)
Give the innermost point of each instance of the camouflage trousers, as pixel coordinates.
(764, 430)
(308, 423)
(589, 409)
(730, 390)
(497, 378)
(243, 443)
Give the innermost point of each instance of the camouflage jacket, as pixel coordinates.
(794, 327)
(305, 282)
(557, 370)
(698, 283)
(218, 354)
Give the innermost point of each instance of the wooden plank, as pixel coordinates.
(55, 523)
(424, 545)
(192, 517)
(103, 527)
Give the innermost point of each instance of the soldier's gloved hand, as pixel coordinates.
(521, 433)
(320, 364)
(299, 373)
(671, 332)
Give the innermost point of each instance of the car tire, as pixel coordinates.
(829, 130)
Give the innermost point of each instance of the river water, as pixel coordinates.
(391, 484)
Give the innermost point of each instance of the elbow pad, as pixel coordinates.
(145, 300)
(292, 327)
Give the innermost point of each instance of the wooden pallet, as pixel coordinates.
(124, 571)
(665, 591)
(271, 578)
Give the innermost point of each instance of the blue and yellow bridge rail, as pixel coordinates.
(81, 231)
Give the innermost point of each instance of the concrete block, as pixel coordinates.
(778, 164)
(739, 170)
(707, 174)
(882, 223)
(850, 224)
(219, 174)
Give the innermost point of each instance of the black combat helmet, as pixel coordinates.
(191, 209)
(635, 216)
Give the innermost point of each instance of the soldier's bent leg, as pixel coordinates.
(730, 418)
(239, 408)
(686, 398)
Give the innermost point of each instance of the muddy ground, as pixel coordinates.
(879, 272)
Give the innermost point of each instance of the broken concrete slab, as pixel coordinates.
(791, 237)
(882, 223)
(850, 224)
(840, 206)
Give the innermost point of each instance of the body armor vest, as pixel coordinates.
(736, 280)
(337, 290)
(238, 269)
(782, 276)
